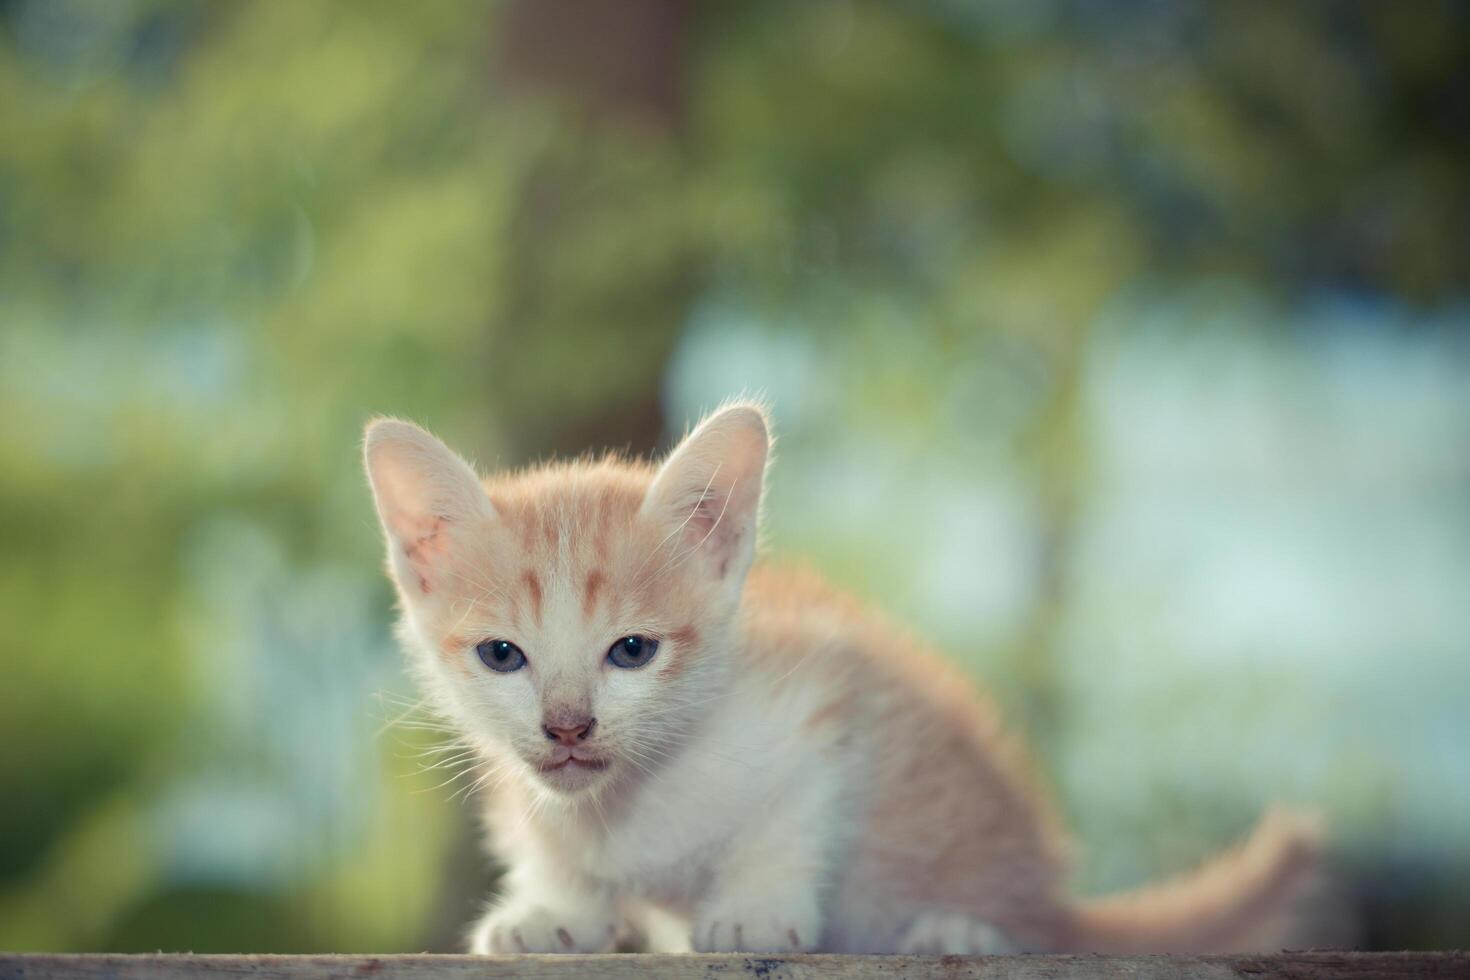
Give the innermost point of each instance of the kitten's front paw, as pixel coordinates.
(541, 929)
(753, 928)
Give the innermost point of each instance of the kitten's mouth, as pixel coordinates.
(570, 759)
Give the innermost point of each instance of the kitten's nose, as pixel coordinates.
(569, 732)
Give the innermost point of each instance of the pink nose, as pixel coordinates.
(569, 733)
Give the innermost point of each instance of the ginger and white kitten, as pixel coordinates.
(669, 730)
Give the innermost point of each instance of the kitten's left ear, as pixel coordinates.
(426, 496)
(708, 491)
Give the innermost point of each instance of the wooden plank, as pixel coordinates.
(1278, 966)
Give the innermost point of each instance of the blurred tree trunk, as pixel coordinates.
(616, 73)
(1059, 468)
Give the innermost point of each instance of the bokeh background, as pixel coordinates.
(1124, 348)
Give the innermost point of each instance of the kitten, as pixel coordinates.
(670, 730)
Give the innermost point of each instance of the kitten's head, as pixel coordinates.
(572, 614)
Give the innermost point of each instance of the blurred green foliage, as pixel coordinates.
(231, 232)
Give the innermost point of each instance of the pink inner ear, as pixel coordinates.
(715, 526)
(425, 542)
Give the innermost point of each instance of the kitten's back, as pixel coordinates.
(951, 814)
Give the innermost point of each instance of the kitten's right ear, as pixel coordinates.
(709, 489)
(426, 495)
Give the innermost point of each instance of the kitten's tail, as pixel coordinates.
(1244, 899)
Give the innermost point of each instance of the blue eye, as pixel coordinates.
(632, 652)
(501, 656)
